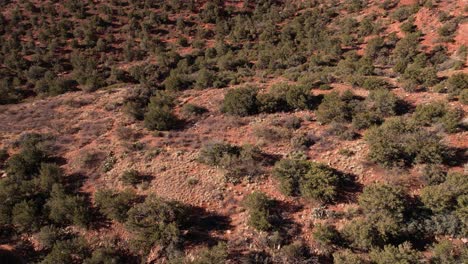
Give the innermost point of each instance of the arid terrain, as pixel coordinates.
(234, 131)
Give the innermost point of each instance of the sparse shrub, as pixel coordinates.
(258, 205)
(342, 131)
(240, 102)
(192, 110)
(131, 177)
(302, 141)
(239, 162)
(445, 252)
(272, 134)
(402, 13)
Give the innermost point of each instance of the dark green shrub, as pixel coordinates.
(320, 183)
(438, 112)
(65, 208)
(216, 254)
(361, 234)
(457, 83)
(443, 197)
(399, 142)
(308, 179)
(326, 235)
(299, 97)
(3, 156)
(66, 251)
(205, 79)
(25, 216)
(176, 82)
(240, 102)
(159, 115)
(382, 102)
(333, 108)
(48, 235)
(104, 255)
(49, 174)
(258, 205)
(346, 257)
(289, 172)
(404, 253)
(156, 222)
(381, 199)
(270, 103)
(362, 120)
(115, 205)
(433, 174)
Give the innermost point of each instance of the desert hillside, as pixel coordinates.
(214, 131)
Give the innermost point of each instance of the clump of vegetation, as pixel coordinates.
(131, 177)
(399, 142)
(156, 222)
(115, 205)
(159, 115)
(308, 179)
(259, 207)
(240, 102)
(239, 162)
(384, 208)
(438, 113)
(336, 107)
(191, 110)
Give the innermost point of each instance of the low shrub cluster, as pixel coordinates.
(282, 97)
(239, 162)
(438, 113)
(399, 142)
(308, 179)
